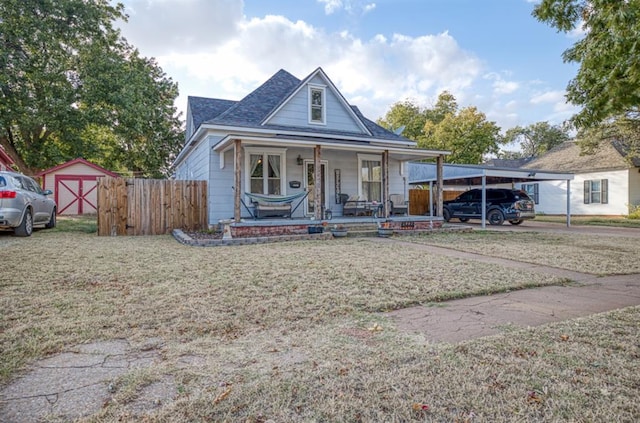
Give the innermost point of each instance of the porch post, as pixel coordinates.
(237, 180)
(439, 183)
(385, 183)
(318, 213)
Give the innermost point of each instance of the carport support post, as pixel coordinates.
(430, 198)
(439, 183)
(237, 180)
(568, 203)
(484, 200)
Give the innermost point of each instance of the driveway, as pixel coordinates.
(533, 226)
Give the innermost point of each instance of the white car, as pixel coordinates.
(23, 204)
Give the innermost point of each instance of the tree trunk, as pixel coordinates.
(18, 162)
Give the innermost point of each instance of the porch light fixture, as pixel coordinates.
(300, 160)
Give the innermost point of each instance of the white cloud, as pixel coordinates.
(549, 97)
(181, 25)
(372, 74)
(501, 86)
(349, 6)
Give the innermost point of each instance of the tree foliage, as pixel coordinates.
(537, 138)
(465, 132)
(71, 86)
(608, 80)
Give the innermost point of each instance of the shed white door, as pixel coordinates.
(77, 194)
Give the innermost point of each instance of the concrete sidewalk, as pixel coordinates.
(475, 317)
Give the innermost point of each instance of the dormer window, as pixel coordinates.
(317, 105)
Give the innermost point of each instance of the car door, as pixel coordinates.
(460, 206)
(39, 201)
(472, 207)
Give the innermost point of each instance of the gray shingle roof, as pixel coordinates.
(251, 111)
(203, 109)
(567, 157)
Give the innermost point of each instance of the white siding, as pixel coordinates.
(553, 200)
(296, 112)
(196, 165)
(221, 182)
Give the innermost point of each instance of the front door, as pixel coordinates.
(310, 201)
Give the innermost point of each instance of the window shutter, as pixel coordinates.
(604, 191)
(587, 192)
(535, 193)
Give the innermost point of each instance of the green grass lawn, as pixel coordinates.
(294, 332)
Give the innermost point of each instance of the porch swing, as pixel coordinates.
(273, 205)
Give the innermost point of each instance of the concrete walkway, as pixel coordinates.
(469, 318)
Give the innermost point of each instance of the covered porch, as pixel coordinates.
(322, 175)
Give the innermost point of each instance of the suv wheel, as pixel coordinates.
(495, 217)
(26, 226)
(516, 221)
(464, 219)
(446, 215)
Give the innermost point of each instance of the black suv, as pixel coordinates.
(502, 204)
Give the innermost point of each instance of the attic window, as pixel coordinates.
(317, 105)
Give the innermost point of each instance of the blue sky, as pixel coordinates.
(491, 54)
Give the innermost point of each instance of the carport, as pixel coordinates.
(481, 176)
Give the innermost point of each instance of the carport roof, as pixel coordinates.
(457, 174)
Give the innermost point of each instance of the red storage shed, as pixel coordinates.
(75, 185)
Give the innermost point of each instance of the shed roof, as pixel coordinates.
(4, 157)
(79, 160)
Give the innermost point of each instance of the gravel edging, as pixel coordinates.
(185, 239)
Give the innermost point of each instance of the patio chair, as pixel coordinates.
(398, 204)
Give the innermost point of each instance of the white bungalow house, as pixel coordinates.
(297, 145)
(605, 183)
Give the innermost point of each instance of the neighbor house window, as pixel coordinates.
(317, 105)
(265, 171)
(596, 191)
(370, 177)
(532, 191)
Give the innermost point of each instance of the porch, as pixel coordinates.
(359, 225)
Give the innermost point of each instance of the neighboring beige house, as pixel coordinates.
(605, 183)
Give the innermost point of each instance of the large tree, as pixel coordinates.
(466, 133)
(72, 86)
(537, 138)
(608, 80)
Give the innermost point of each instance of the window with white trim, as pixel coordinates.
(370, 177)
(317, 111)
(265, 171)
(531, 190)
(596, 191)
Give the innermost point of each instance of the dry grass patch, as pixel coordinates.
(79, 287)
(290, 332)
(595, 254)
(343, 371)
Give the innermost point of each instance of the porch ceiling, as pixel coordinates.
(397, 152)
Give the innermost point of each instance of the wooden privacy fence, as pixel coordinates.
(150, 206)
(419, 200)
